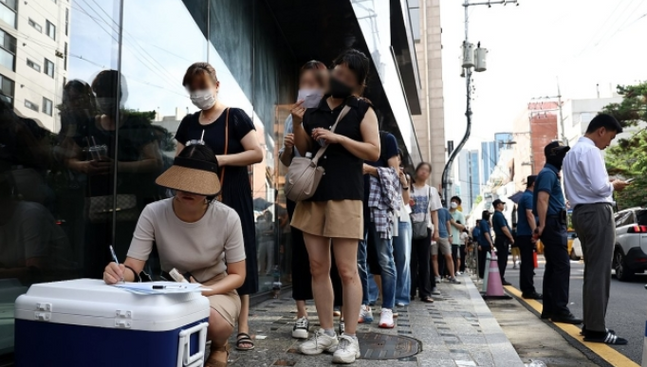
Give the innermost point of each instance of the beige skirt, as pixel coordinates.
(227, 305)
(331, 219)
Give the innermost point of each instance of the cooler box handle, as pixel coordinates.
(184, 357)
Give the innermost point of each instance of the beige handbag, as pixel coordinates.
(304, 174)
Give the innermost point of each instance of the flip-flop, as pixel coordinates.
(244, 338)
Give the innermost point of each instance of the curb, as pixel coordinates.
(503, 353)
(601, 354)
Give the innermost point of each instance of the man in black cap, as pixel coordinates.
(550, 207)
(526, 225)
(503, 237)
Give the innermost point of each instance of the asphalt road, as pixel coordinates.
(627, 312)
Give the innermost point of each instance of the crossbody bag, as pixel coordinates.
(304, 174)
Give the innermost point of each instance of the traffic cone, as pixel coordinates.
(494, 285)
(485, 273)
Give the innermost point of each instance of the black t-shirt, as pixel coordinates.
(343, 178)
(236, 178)
(134, 134)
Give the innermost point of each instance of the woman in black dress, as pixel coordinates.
(230, 133)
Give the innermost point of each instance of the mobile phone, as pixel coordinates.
(630, 180)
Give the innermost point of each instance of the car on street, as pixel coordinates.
(630, 253)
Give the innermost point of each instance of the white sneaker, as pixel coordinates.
(435, 292)
(459, 273)
(319, 343)
(386, 319)
(300, 329)
(347, 351)
(453, 280)
(438, 280)
(365, 315)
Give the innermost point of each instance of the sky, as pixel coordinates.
(581, 43)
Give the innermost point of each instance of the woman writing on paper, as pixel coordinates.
(194, 234)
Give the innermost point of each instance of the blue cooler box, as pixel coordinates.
(84, 322)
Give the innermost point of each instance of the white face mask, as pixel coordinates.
(454, 205)
(203, 99)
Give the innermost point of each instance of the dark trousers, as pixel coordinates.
(527, 271)
(502, 243)
(558, 267)
(301, 278)
(596, 230)
(482, 256)
(461, 252)
(420, 266)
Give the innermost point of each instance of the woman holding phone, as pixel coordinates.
(334, 213)
(313, 81)
(231, 135)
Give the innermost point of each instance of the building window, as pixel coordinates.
(50, 29)
(33, 65)
(31, 105)
(48, 106)
(8, 12)
(7, 50)
(414, 19)
(65, 57)
(67, 20)
(49, 68)
(35, 25)
(7, 87)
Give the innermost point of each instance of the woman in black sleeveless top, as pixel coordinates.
(335, 211)
(230, 133)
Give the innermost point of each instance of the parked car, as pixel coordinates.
(574, 246)
(630, 254)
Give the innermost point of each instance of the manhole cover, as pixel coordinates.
(381, 346)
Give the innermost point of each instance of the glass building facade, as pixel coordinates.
(83, 81)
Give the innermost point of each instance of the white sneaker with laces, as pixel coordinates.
(365, 315)
(319, 343)
(347, 351)
(300, 329)
(386, 319)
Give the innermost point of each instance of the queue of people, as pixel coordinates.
(368, 228)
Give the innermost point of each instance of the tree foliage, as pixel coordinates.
(629, 157)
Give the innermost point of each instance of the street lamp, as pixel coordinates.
(476, 60)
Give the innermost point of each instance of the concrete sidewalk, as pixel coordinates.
(457, 330)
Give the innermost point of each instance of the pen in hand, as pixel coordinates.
(114, 257)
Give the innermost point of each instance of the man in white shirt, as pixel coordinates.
(590, 193)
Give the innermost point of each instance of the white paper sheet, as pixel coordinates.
(152, 288)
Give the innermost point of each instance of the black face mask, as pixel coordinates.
(339, 89)
(555, 161)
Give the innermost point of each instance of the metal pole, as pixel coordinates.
(468, 85)
(561, 117)
(468, 113)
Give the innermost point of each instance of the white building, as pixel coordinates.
(578, 113)
(33, 57)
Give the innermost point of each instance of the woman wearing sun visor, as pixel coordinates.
(194, 234)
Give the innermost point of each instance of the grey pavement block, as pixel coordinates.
(458, 331)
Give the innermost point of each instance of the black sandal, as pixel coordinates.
(244, 338)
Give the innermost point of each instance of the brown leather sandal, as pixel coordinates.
(212, 362)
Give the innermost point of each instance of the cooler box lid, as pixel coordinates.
(90, 302)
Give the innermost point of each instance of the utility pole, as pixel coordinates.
(561, 116)
(467, 70)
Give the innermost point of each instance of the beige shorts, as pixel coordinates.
(442, 244)
(331, 219)
(227, 305)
